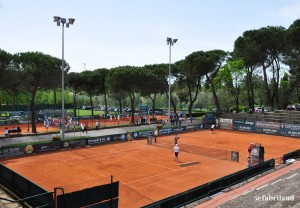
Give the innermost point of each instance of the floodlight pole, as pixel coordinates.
(63, 21)
(170, 42)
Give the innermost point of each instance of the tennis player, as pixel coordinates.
(212, 128)
(176, 150)
(176, 137)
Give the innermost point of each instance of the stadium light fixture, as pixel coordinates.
(170, 42)
(64, 22)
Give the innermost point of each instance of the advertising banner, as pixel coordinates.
(242, 125)
(145, 134)
(12, 151)
(179, 129)
(165, 131)
(122, 137)
(99, 140)
(192, 127)
(73, 143)
(225, 123)
(290, 130)
(45, 147)
(268, 127)
(135, 135)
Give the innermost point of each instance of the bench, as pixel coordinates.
(16, 131)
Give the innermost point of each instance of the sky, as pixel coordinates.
(112, 33)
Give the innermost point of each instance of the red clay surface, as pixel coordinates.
(147, 173)
(40, 127)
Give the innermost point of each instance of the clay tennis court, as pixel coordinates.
(147, 173)
(40, 127)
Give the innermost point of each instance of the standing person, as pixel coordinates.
(176, 150)
(86, 127)
(74, 125)
(97, 125)
(6, 134)
(250, 148)
(249, 162)
(176, 137)
(212, 128)
(83, 127)
(163, 122)
(180, 120)
(155, 135)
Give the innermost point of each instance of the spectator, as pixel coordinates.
(6, 134)
(97, 125)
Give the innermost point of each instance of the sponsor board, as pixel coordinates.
(225, 123)
(115, 138)
(135, 135)
(145, 134)
(271, 125)
(29, 149)
(212, 115)
(99, 140)
(225, 120)
(192, 127)
(73, 143)
(122, 137)
(45, 147)
(291, 130)
(179, 129)
(268, 127)
(12, 151)
(165, 131)
(244, 125)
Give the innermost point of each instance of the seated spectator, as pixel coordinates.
(14, 128)
(18, 128)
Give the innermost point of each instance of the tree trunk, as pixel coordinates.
(105, 103)
(214, 93)
(267, 89)
(32, 108)
(120, 106)
(132, 98)
(74, 104)
(153, 104)
(237, 103)
(92, 105)
(54, 99)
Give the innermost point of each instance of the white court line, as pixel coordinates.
(262, 187)
(234, 197)
(171, 178)
(291, 176)
(276, 181)
(248, 192)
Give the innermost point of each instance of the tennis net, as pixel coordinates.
(205, 151)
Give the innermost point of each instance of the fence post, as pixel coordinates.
(55, 196)
(110, 192)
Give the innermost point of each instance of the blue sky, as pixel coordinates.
(112, 33)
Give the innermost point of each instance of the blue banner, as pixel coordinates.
(268, 127)
(73, 143)
(179, 129)
(145, 134)
(290, 130)
(165, 131)
(242, 125)
(99, 140)
(12, 151)
(193, 127)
